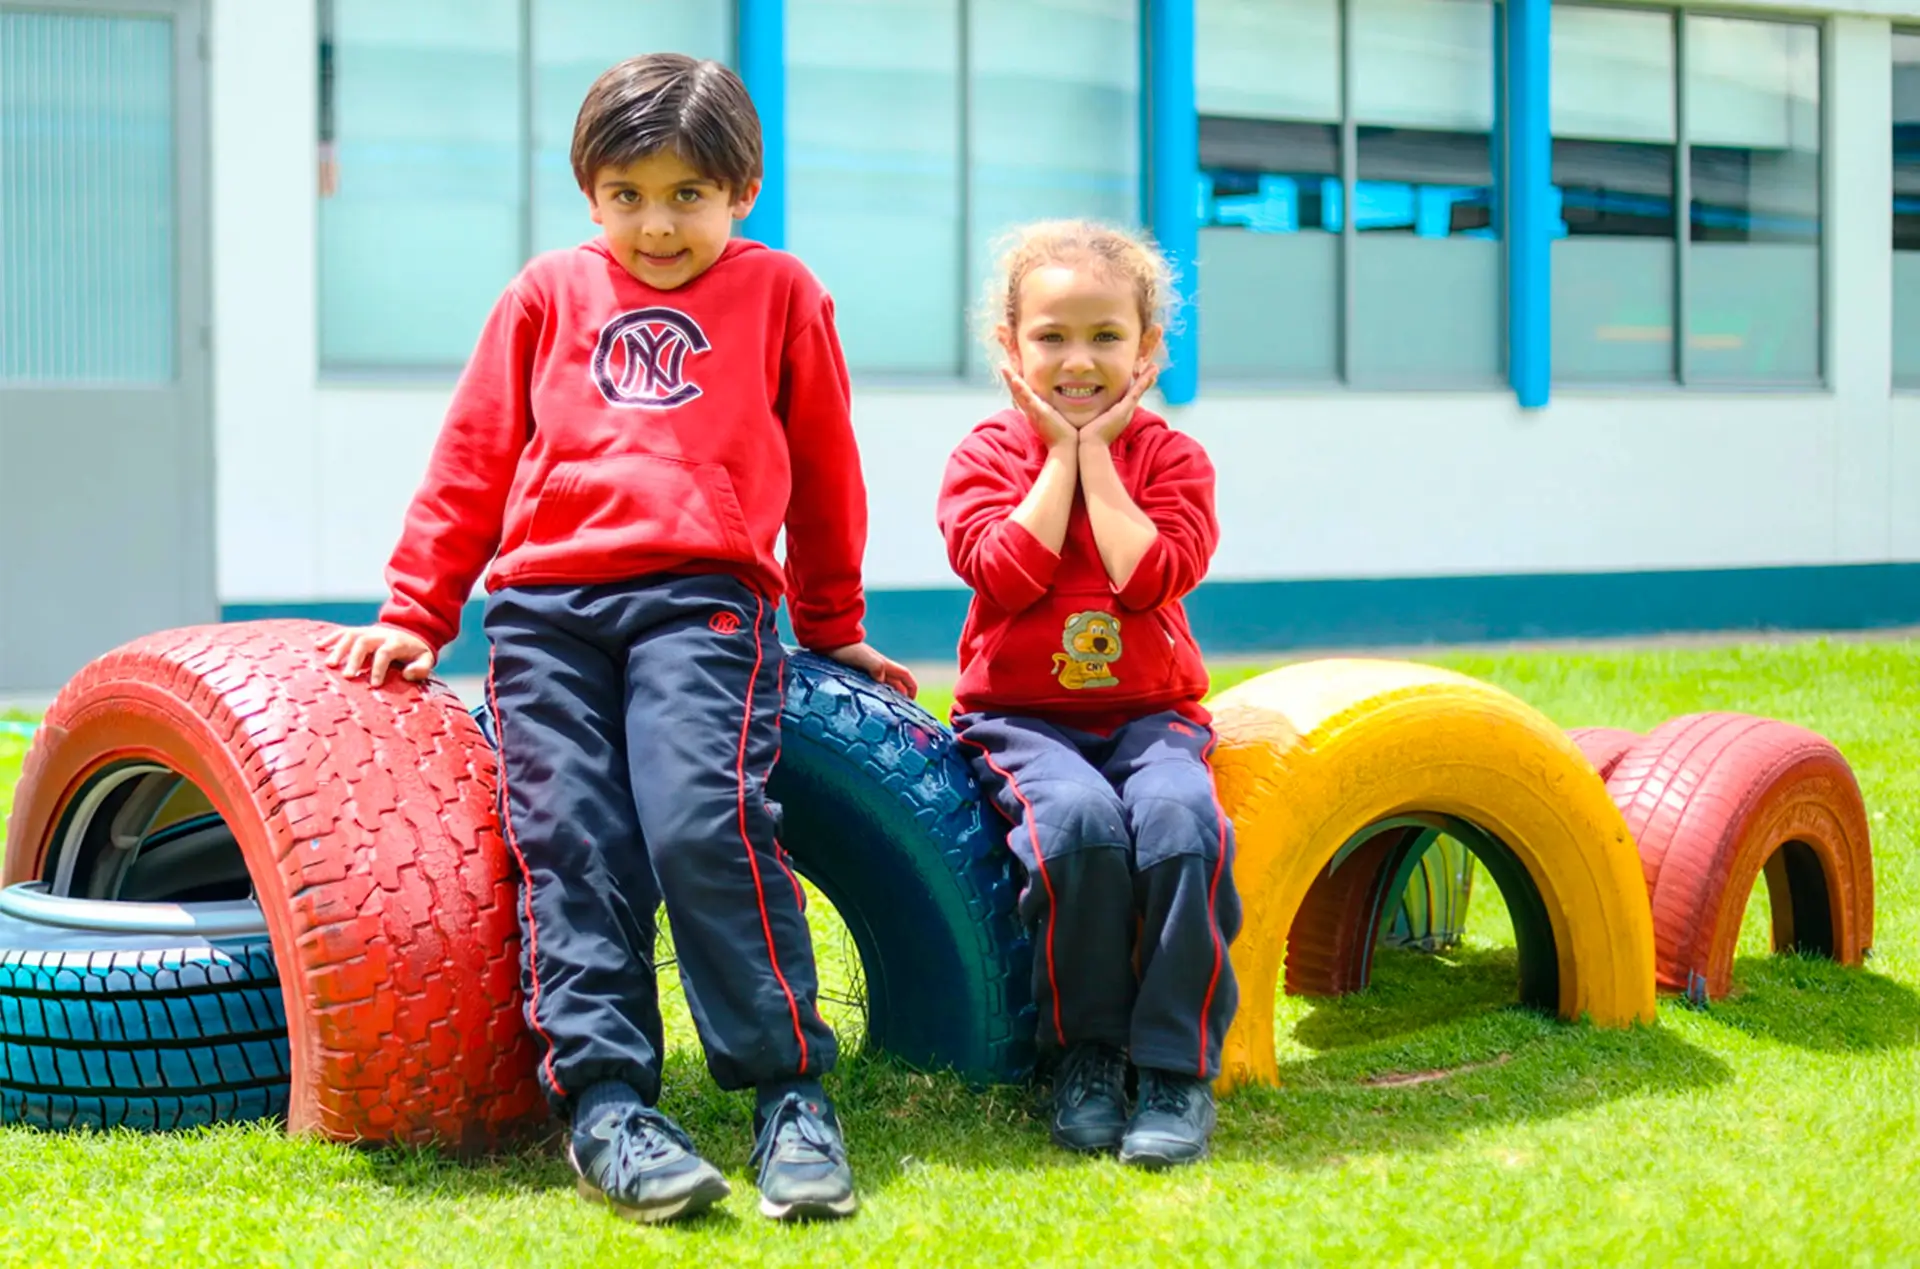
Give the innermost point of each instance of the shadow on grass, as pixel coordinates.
(1812, 1003)
(1436, 1048)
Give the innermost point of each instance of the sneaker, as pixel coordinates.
(804, 1173)
(1173, 1123)
(1090, 1098)
(642, 1165)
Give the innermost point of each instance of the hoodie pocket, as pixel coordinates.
(667, 505)
(1080, 648)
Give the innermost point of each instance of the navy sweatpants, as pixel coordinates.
(638, 723)
(1129, 881)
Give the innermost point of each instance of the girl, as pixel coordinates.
(1079, 520)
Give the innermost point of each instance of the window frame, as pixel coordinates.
(1680, 357)
(1345, 331)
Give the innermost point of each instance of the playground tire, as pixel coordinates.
(1315, 760)
(1712, 800)
(1604, 746)
(366, 820)
(154, 1030)
(881, 812)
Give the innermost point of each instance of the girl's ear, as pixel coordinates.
(1150, 342)
(1004, 334)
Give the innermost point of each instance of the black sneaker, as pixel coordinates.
(641, 1164)
(804, 1173)
(1173, 1123)
(1090, 1098)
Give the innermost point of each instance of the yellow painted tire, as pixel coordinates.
(1325, 756)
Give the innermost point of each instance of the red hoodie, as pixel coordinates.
(604, 430)
(1048, 635)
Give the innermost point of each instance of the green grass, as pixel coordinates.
(1425, 1121)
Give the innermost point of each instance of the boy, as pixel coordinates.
(642, 416)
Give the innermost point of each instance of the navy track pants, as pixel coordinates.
(1129, 890)
(638, 722)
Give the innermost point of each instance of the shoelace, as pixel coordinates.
(1161, 1096)
(1104, 1070)
(645, 1137)
(794, 1128)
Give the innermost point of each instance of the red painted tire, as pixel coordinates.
(1711, 799)
(1330, 944)
(1604, 746)
(367, 822)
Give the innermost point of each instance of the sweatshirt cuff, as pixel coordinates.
(1031, 559)
(412, 619)
(824, 637)
(1144, 588)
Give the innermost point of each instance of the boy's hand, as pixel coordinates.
(1107, 426)
(1054, 431)
(869, 661)
(379, 648)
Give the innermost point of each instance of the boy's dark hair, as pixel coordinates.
(668, 101)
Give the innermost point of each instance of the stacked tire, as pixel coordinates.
(328, 931)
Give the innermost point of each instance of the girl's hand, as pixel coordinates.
(1109, 424)
(380, 648)
(870, 661)
(1055, 432)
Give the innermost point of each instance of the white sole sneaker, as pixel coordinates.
(810, 1209)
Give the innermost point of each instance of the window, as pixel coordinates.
(1751, 101)
(873, 173)
(909, 158)
(445, 130)
(1906, 208)
(1654, 109)
(1614, 137)
(1423, 257)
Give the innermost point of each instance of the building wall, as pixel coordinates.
(314, 473)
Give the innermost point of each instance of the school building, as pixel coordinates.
(1505, 319)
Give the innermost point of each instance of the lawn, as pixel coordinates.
(1425, 1121)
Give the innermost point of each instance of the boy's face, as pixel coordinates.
(665, 222)
(1079, 342)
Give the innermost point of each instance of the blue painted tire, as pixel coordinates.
(155, 1032)
(882, 814)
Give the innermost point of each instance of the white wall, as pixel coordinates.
(313, 477)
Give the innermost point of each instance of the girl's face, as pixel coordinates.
(1079, 340)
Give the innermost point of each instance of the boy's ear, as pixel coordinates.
(593, 209)
(743, 202)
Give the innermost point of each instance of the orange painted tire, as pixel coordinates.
(366, 820)
(1711, 800)
(1604, 746)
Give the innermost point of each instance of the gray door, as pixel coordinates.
(106, 460)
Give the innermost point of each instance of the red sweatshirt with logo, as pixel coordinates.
(605, 430)
(1048, 635)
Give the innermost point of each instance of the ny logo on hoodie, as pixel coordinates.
(640, 361)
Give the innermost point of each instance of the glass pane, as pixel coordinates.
(573, 42)
(1257, 59)
(873, 169)
(1613, 131)
(1423, 63)
(86, 199)
(1269, 268)
(422, 229)
(1426, 267)
(1906, 207)
(1054, 119)
(1752, 107)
